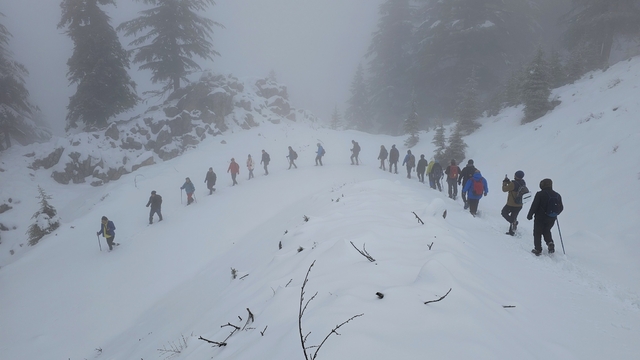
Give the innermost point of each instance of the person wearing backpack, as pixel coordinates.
(464, 176)
(108, 230)
(319, 155)
(515, 190)
(394, 157)
(435, 175)
(234, 169)
(292, 157)
(452, 171)
(155, 201)
(383, 157)
(421, 167)
(355, 151)
(250, 166)
(189, 188)
(210, 179)
(474, 189)
(265, 160)
(410, 162)
(546, 206)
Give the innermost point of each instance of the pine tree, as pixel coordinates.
(46, 219)
(557, 75)
(439, 142)
(172, 33)
(272, 76)
(536, 88)
(358, 113)
(17, 113)
(336, 119)
(411, 127)
(98, 65)
(598, 22)
(456, 149)
(468, 109)
(513, 88)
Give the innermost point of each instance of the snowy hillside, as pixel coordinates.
(170, 283)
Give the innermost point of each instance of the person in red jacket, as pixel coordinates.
(234, 169)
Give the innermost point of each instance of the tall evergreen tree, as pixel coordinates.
(358, 112)
(456, 149)
(390, 61)
(557, 74)
(412, 127)
(16, 110)
(336, 119)
(468, 110)
(46, 219)
(172, 33)
(98, 65)
(536, 88)
(439, 141)
(598, 22)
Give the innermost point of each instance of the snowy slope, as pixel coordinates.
(171, 282)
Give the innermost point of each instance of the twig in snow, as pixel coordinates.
(508, 306)
(363, 252)
(444, 296)
(430, 245)
(263, 331)
(418, 217)
(250, 319)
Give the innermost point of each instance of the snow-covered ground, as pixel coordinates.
(171, 282)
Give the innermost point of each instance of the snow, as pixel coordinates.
(169, 283)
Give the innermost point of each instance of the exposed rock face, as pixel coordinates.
(209, 107)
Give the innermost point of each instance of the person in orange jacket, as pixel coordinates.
(234, 169)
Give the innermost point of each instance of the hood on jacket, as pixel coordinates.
(477, 175)
(546, 183)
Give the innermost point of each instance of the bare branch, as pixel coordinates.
(418, 217)
(301, 311)
(363, 252)
(230, 324)
(250, 319)
(333, 331)
(220, 344)
(263, 331)
(430, 245)
(508, 306)
(444, 296)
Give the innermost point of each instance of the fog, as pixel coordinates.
(314, 47)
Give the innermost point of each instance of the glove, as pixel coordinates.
(529, 217)
(147, 205)
(485, 194)
(98, 233)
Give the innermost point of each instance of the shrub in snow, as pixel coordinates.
(46, 219)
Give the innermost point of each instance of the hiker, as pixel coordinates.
(546, 206)
(250, 166)
(108, 230)
(265, 160)
(475, 188)
(515, 190)
(465, 175)
(452, 173)
(383, 157)
(155, 201)
(189, 188)
(319, 155)
(421, 167)
(292, 157)
(234, 169)
(394, 157)
(210, 179)
(355, 151)
(435, 175)
(410, 161)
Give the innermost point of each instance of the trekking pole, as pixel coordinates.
(194, 198)
(560, 233)
(100, 245)
(180, 196)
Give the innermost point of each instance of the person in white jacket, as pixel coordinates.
(250, 166)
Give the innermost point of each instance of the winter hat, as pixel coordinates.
(104, 218)
(153, 192)
(546, 183)
(470, 162)
(519, 174)
(422, 156)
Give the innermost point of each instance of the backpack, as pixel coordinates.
(412, 160)
(267, 157)
(478, 187)
(356, 147)
(453, 172)
(294, 155)
(322, 152)
(553, 205)
(522, 190)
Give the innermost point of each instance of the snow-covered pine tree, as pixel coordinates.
(358, 114)
(46, 219)
(272, 76)
(98, 65)
(456, 149)
(468, 109)
(599, 22)
(440, 142)
(557, 75)
(171, 34)
(336, 119)
(411, 127)
(536, 88)
(17, 114)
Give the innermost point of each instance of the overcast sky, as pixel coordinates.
(314, 46)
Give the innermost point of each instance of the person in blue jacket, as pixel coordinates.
(319, 155)
(474, 189)
(108, 230)
(189, 188)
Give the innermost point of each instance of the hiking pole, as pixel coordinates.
(194, 198)
(180, 196)
(100, 245)
(560, 233)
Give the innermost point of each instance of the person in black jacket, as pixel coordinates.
(265, 160)
(394, 157)
(355, 151)
(210, 179)
(435, 175)
(155, 201)
(421, 167)
(383, 157)
(546, 206)
(464, 176)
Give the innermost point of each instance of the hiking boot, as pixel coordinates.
(510, 233)
(551, 246)
(536, 252)
(466, 205)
